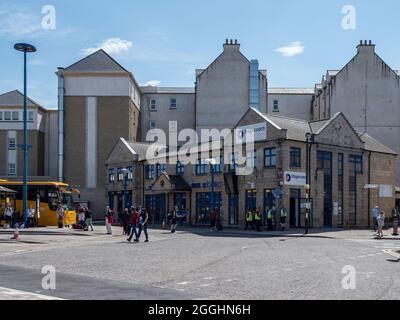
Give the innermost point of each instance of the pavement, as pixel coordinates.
(196, 263)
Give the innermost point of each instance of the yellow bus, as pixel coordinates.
(44, 197)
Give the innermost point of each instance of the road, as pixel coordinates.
(198, 264)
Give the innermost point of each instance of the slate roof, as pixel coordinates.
(15, 99)
(166, 90)
(99, 61)
(290, 90)
(179, 182)
(139, 148)
(372, 144)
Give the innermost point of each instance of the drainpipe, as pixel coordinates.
(61, 91)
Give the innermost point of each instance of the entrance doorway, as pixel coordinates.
(294, 208)
(156, 206)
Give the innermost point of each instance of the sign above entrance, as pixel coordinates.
(295, 178)
(260, 132)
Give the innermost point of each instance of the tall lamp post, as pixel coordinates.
(25, 48)
(212, 163)
(307, 187)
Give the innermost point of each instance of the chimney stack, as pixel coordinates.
(366, 45)
(230, 43)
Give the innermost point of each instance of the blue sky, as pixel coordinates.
(164, 41)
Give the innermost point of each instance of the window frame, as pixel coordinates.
(173, 105)
(271, 155)
(153, 107)
(295, 151)
(201, 167)
(7, 115)
(15, 116)
(111, 175)
(9, 172)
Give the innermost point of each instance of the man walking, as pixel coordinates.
(8, 213)
(257, 219)
(395, 217)
(133, 221)
(143, 218)
(213, 219)
(249, 219)
(89, 219)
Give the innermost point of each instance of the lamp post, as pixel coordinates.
(25, 48)
(307, 187)
(212, 163)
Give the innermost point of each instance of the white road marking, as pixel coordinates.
(393, 254)
(12, 294)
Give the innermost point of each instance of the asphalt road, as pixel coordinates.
(204, 265)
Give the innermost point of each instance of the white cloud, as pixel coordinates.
(111, 46)
(152, 83)
(19, 23)
(292, 50)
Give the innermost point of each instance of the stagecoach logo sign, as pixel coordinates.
(295, 178)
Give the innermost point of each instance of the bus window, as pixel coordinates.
(66, 200)
(53, 200)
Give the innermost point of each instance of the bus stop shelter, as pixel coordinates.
(6, 196)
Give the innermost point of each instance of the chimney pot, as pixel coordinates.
(231, 41)
(370, 42)
(361, 42)
(226, 41)
(236, 41)
(365, 42)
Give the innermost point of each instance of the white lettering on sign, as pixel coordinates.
(259, 130)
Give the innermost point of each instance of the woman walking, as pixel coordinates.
(134, 221)
(174, 219)
(109, 220)
(143, 218)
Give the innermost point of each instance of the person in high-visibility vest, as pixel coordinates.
(249, 219)
(395, 216)
(257, 219)
(270, 215)
(283, 217)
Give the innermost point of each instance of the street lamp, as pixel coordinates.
(307, 187)
(25, 48)
(212, 163)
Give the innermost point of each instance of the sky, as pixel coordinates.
(162, 42)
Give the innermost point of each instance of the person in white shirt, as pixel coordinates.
(381, 224)
(30, 217)
(8, 213)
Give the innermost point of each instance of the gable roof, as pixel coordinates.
(16, 99)
(99, 61)
(371, 144)
(177, 182)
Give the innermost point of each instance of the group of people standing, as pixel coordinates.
(254, 219)
(12, 218)
(134, 222)
(379, 220)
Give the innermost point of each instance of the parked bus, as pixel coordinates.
(44, 197)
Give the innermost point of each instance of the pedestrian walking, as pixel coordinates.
(133, 221)
(30, 217)
(109, 219)
(143, 219)
(8, 213)
(375, 215)
(257, 219)
(283, 217)
(270, 215)
(395, 217)
(381, 224)
(88, 219)
(249, 219)
(126, 230)
(60, 216)
(174, 219)
(81, 217)
(213, 219)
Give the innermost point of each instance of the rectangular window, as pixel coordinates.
(270, 157)
(173, 104)
(276, 105)
(356, 163)
(161, 168)
(30, 115)
(15, 115)
(295, 157)
(1, 115)
(152, 125)
(149, 171)
(12, 144)
(12, 169)
(120, 175)
(340, 187)
(218, 168)
(111, 175)
(201, 167)
(233, 163)
(130, 173)
(153, 104)
(355, 168)
(7, 115)
(180, 168)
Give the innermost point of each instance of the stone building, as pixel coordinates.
(344, 166)
(367, 91)
(41, 140)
